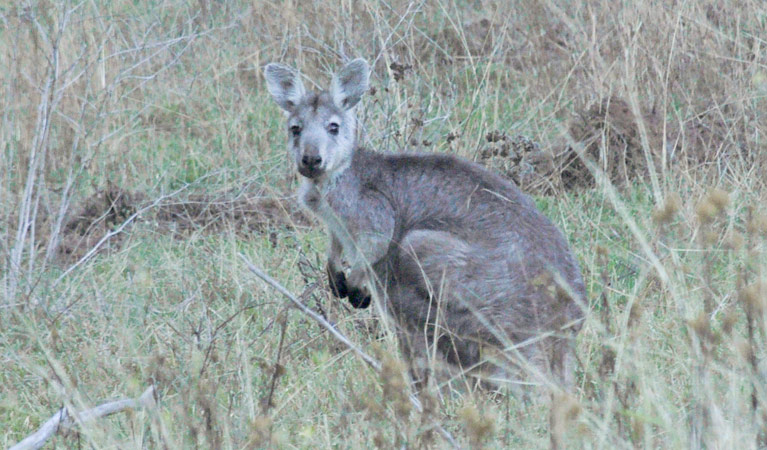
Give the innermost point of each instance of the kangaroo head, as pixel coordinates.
(321, 125)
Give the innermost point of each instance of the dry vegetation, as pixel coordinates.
(141, 154)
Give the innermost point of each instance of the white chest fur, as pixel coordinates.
(314, 197)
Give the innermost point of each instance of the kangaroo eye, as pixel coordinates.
(295, 130)
(333, 128)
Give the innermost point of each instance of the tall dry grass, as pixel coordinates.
(163, 101)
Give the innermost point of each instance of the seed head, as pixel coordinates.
(713, 204)
(706, 211)
(567, 406)
(402, 406)
(744, 349)
(478, 426)
(710, 237)
(728, 322)
(755, 296)
(395, 385)
(565, 409)
(379, 440)
(260, 430)
(635, 313)
(719, 198)
(391, 376)
(702, 327)
(666, 213)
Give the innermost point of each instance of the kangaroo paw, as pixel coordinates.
(337, 283)
(359, 298)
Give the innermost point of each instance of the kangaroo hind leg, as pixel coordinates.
(430, 259)
(431, 264)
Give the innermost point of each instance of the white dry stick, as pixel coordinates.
(372, 362)
(63, 420)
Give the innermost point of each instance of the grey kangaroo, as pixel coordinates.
(460, 257)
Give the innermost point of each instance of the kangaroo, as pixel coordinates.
(459, 256)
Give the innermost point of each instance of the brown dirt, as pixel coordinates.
(96, 216)
(608, 132)
(245, 213)
(522, 160)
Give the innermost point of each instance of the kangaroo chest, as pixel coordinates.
(361, 221)
(335, 207)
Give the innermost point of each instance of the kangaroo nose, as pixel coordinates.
(311, 160)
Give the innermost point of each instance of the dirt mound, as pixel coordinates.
(241, 212)
(609, 134)
(521, 159)
(95, 217)
(110, 207)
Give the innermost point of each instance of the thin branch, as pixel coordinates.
(276, 368)
(63, 420)
(369, 360)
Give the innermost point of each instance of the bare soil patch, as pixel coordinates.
(93, 218)
(243, 212)
(609, 134)
(523, 161)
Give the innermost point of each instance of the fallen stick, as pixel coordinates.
(63, 420)
(372, 362)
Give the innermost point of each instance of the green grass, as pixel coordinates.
(181, 314)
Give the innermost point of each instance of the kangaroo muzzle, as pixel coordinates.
(310, 164)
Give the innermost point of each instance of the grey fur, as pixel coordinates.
(463, 259)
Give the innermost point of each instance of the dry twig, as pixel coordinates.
(64, 420)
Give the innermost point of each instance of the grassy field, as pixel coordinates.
(141, 154)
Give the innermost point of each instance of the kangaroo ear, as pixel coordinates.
(285, 86)
(350, 83)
